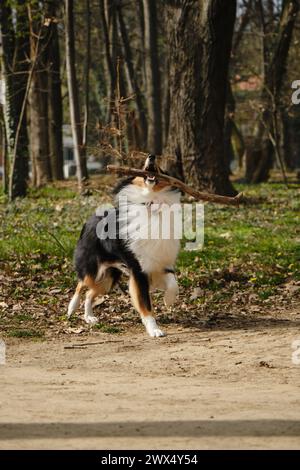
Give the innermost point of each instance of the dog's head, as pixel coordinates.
(151, 165)
(142, 189)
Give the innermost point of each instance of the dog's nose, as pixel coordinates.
(151, 158)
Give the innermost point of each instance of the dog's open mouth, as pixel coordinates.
(151, 178)
(151, 167)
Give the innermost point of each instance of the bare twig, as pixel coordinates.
(84, 345)
(198, 195)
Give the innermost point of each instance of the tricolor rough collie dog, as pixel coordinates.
(137, 247)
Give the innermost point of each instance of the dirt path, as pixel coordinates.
(193, 389)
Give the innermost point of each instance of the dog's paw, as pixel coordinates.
(156, 333)
(90, 320)
(152, 328)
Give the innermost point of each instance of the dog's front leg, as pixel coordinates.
(139, 292)
(171, 289)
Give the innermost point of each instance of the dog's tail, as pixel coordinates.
(74, 303)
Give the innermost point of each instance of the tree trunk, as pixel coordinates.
(132, 75)
(38, 126)
(153, 81)
(200, 43)
(229, 126)
(55, 98)
(14, 64)
(4, 151)
(106, 38)
(259, 159)
(141, 23)
(79, 150)
(38, 101)
(109, 27)
(87, 75)
(232, 134)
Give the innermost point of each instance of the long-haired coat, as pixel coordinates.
(149, 260)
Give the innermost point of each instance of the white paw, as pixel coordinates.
(152, 328)
(91, 320)
(156, 333)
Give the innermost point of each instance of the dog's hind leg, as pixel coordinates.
(139, 292)
(95, 289)
(74, 303)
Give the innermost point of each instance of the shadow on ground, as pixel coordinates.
(197, 428)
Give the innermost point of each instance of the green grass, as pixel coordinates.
(107, 328)
(256, 245)
(22, 317)
(262, 240)
(15, 333)
(266, 293)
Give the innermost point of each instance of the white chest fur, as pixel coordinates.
(151, 226)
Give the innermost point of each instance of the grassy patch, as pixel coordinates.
(107, 328)
(25, 334)
(260, 241)
(22, 317)
(266, 293)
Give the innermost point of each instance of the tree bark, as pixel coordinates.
(15, 66)
(200, 35)
(87, 75)
(38, 100)
(4, 151)
(55, 98)
(107, 44)
(153, 80)
(79, 150)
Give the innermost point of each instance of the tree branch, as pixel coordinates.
(198, 195)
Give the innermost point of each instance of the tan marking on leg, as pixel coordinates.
(89, 281)
(146, 315)
(79, 287)
(136, 298)
(99, 288)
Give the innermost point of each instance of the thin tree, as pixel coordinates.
(79, 149)
(200, 36)
(111, 72)
(266, 139)
(232, 133)
(132, 74)
(55, 95)
(15, 66)
(153, 80)
(87, 74)
(38, 95)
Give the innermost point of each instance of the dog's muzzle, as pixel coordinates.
(150, 165)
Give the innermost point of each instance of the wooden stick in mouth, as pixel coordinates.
(198, 195)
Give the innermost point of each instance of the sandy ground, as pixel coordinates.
(223, 389)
